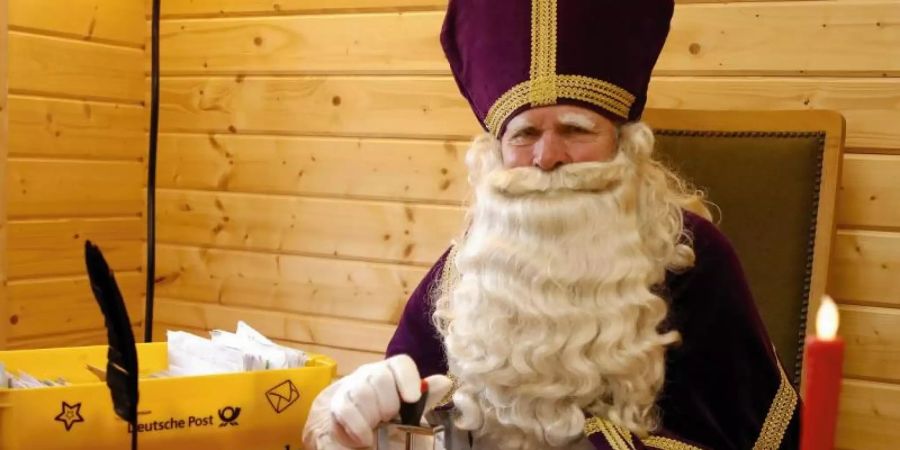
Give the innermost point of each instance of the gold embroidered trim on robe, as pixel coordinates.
(449, 277)
(779, 417)
(617, 437)
(664, 443)
(621, 439)
(448, 397)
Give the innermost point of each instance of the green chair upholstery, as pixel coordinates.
(767, 185)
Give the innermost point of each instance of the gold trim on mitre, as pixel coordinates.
(542, 89)
(545, 86)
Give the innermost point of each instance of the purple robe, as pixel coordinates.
(724, 387)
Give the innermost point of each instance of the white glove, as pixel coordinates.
(372, 395)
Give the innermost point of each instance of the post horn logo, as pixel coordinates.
(228, 415)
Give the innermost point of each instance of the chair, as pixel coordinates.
(774, 175)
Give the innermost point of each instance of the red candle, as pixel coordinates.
(822, 377)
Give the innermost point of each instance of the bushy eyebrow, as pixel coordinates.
(577, 120)
(518, 124)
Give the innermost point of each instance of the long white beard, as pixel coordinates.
(553, 315)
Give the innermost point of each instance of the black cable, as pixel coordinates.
(151, 173)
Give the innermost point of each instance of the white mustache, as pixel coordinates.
(574, 177)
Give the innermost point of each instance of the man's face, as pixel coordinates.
(551, 136)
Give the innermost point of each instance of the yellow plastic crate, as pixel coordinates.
(263, 410)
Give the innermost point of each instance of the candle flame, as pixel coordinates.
(827, 319)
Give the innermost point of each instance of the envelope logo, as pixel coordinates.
(282, 396)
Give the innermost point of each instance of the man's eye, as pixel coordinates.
(524, 134)
(575, 130)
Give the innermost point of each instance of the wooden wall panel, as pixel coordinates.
(220, 8)
(116, 22)
(92, 337)
(429, 107)
(54, 188)
(380, 231)
(282, 282)
(873, 342)
(55, 247)
(797, 39)
(212, 8)
(4, 152)
(66, 68)
(834, 38)
(77, 143)
(64, 305)
(868, 104)
(347, 360)
(415, 170)
(405, 106)
(305, 44)
(76, 129)
(869, 415)
(864, 267)
(870, 192)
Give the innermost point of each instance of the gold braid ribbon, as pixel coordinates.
(780, 413)
(620, 438)
(772, 433)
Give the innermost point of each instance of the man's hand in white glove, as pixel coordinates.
(372, 394)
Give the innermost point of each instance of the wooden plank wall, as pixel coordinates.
(311, 162)
(4, 151)
(75, 163)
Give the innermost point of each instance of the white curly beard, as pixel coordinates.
(553, 316)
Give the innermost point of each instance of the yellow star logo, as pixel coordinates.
(70, 415)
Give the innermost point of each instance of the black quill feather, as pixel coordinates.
(122, 363)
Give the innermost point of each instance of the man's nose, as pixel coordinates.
(550, 152)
